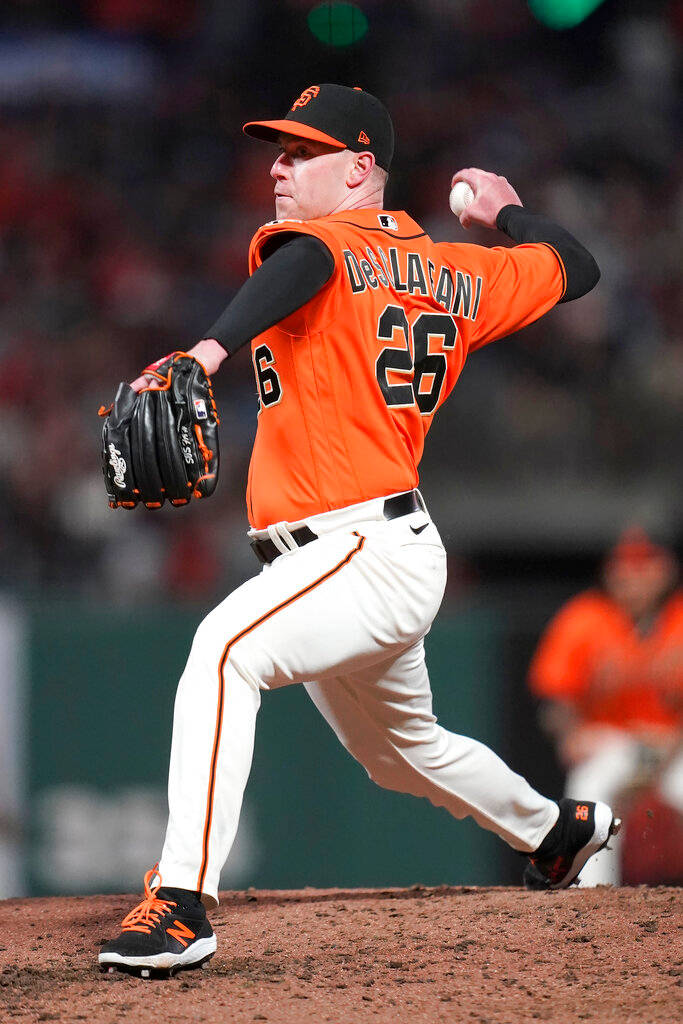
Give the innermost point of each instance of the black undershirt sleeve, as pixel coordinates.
(581, 270)
(286, 280)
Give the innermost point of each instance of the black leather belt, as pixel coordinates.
(400, 505)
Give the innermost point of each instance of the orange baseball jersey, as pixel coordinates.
(349, 384)
(592, 656)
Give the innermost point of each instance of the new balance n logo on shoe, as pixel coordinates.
(180, 932)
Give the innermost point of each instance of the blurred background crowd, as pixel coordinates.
(128, 197)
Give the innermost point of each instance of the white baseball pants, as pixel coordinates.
(346, 616)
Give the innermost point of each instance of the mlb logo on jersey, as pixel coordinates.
(200, 408)
(387, 221)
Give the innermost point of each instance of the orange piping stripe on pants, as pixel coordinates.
(221, 693)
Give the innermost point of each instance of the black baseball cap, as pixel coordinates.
(338, 115)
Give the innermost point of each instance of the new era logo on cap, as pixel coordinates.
(364, 139)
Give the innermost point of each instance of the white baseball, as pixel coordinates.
(460, 197)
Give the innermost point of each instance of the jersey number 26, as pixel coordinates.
(423, 365)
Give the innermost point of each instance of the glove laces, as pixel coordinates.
(147, 913)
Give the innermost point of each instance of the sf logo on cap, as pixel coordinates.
(306, 96)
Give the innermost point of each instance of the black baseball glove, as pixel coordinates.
(161, 444)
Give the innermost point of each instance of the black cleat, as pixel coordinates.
(167, 932)
(582, 829)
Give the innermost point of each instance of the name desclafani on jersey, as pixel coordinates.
(406, 272)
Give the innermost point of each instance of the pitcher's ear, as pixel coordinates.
(360, 169)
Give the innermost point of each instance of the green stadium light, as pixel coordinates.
(337, 23)
(562, 13)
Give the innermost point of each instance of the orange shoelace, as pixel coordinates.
(146, 915)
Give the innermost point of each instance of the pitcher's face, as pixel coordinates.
(310, 178)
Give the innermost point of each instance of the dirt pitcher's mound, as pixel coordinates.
(493, 956)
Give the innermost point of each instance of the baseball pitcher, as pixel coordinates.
(359, 327)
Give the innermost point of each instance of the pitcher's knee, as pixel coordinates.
(386, 771)
(396, 769)
(221, 650)
(206, 647)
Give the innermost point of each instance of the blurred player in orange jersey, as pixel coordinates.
(609, 668)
